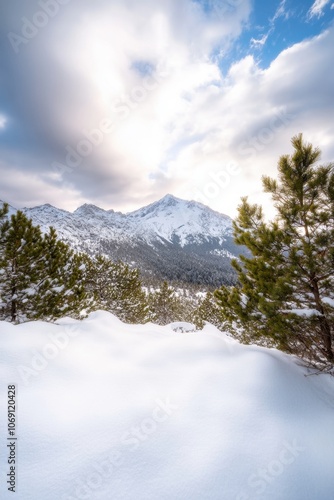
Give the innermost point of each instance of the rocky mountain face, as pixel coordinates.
(171, 239)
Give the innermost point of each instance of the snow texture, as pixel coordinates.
(108, 411)
(170, 219)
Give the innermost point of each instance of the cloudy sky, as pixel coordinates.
(118, 102)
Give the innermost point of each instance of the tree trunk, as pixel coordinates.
(14, 290)
(13, 307)
(326, 336)
(325, 327)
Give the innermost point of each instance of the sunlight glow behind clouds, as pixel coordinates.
(3, 121)
(154, 71)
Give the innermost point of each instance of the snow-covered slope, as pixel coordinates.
(187, 221)
(85, 227)
(167, 218)
(170, 238)
(113, 411)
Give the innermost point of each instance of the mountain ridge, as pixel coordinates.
(171, 238)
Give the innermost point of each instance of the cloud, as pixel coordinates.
(259, 43)
(280, 12)
(317, 8)
(147, 70)
(250, 119)
(132, 63)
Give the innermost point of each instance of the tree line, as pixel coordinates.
(42, 278)
(284, 296)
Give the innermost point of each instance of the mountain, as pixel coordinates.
(183, 222)
(169, 239)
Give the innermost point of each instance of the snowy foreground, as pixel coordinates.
(122, 412)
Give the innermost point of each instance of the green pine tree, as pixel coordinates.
(21, 265)
(209, 311)
(286, 292)
(40, 277)
(4, 226)
(117, 288)
(165, 306)
(61, 287)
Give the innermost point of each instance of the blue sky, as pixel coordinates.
(117, 103)
(274, 26)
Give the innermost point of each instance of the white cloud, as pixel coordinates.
(258, 43)
(280, 11)
(94, 78)
(192, 122)
(250, 118)
(317, 8)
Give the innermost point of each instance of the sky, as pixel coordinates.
(119, 102)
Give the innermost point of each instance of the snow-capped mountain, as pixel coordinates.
(169, 239)
(180, 221)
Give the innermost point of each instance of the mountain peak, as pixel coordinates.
(89, 209)
(169, 197)
(171, 238)
(47, 208)
(167, 200)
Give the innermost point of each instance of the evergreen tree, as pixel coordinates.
(209, 311)
(4, 226)
(61, 287)
(165, 306)
(21, 265)
(286, 292)
(40, 277)
(117, 288)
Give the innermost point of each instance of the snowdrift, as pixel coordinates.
(126, 412)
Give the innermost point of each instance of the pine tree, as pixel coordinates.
(117, 288)
(165, 306)
(40, 277)
(61, 287)
(286, 292)
(4, 226)
(209, 311)
(21, 266)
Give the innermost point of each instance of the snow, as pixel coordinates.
(222, 252)
(188, 221)
(107, 411)
(329, 301)
(169, 218)
(182, 326)
(303, 311)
